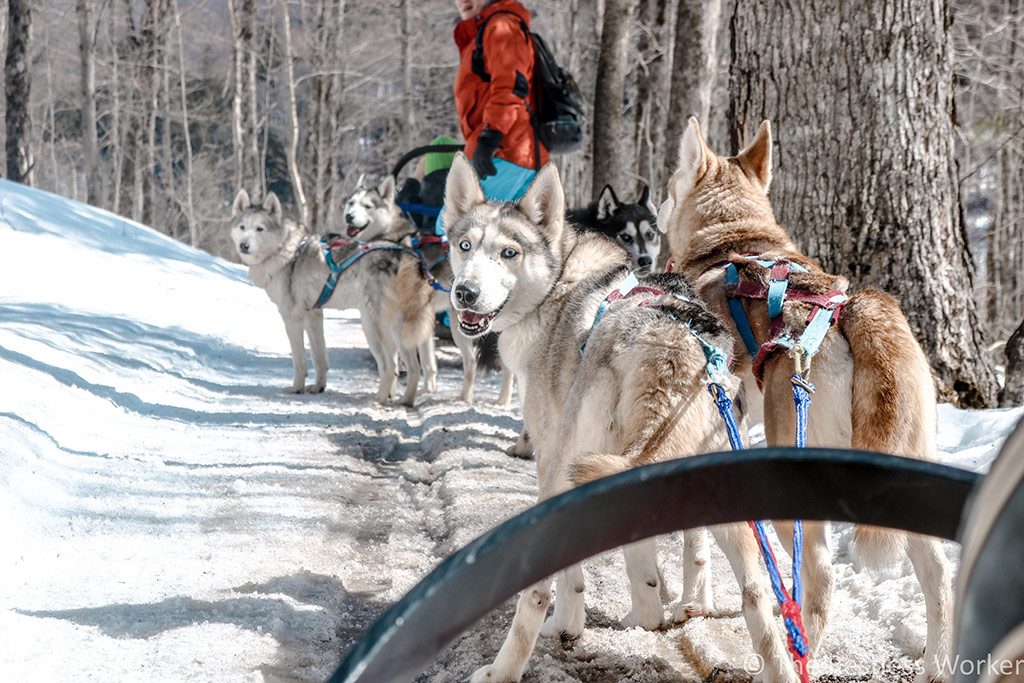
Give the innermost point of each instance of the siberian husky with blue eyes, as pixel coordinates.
(601, 394)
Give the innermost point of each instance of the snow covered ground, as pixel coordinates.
(169, 514)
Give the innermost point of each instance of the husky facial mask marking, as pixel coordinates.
(632, 225)
(502, 254)
(257, 232)
(368, 210)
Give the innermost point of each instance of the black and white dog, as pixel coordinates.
(632, 225)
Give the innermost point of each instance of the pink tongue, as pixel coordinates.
(352, 232)
(470, 317)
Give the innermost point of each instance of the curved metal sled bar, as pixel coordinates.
(420, 151)
(774, 483)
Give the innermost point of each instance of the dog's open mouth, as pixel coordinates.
(352, 230)
(473, 324)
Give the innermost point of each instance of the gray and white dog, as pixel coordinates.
(635, 395)
(372, 210)
(388, 288)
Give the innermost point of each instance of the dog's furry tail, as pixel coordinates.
(487, 357)
(593, 466)
(414, 301)
(893, 408)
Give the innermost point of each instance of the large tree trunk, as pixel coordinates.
(292, 150)
(654, 73)
(861, 97)
(609, 156)
(87, 29)
(16, 72)
(248, 175)
(1012, 393)
(693, 71)
(189, 209)
(581, 53)
(405, 39)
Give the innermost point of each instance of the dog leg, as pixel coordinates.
(818, 576)
(386, 356)
(642, 570)
(428, 361)
(294, 327)
(569, 614)
(468, 351)
(522, 448)
(697, 600)
(740, 548)
(507, 382)
(933, 572)
(318, 345)
(515, 651)
(412, 376)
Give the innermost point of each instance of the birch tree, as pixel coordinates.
(17, 88)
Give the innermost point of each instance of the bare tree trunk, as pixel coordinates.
(245, 138)
(292, 151)
(609, 155)
(87, 29)
(405, 39)
(693, 71)
(866, 174)
(18, 83)
(583, 47)
(326, 94)
(190, 209)
(116, 126)
(1012, 393)
(654, 70)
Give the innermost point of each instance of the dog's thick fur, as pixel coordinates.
(874, 386)
(636, 396)
(374, 211)
(633, 225)
(388, 288)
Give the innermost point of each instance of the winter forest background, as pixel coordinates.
(899, 157)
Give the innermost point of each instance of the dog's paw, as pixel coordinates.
(651, 621)
(487, 674)
(517, 450)
(295, 389)
(685, 611)
(315, 388)
(567, 635)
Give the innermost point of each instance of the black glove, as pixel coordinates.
(487, 144)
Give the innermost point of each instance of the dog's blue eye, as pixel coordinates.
(509, 253)
(464, 245)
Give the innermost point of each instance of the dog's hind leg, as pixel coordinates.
(294, 328)
(412, 376)
(469, 360)
(569, 615)
(384, 352)
(318, 345)
(428, 361)
(933, 573)
(644, 586)
(507, 382)
(740, 548)
(696, 600)
(522, 637)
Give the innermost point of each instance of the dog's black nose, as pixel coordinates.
(349, 218)
(467, 294)
(644, 261)
(244, 247)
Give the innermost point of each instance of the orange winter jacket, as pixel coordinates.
(500, 104)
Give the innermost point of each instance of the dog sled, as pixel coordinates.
(986, 514)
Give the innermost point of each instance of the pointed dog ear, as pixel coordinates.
(386, 189)
(756, 158)
(240, 204)
(664, 215)
(607, 203)
(272, 205)
(361, 183)
(645, 200)
(693, 161)
(462, 190)
(544, 202)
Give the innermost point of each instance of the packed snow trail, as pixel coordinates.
(171, 514)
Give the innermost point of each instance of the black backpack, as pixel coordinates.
(559, 119)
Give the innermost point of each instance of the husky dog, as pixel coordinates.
(372, 213)
(874, 385)
(635, 395)
(634, 225)
(387, 287)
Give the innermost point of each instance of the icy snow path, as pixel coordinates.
(170, 514)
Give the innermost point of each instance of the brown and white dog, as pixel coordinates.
(874, 386)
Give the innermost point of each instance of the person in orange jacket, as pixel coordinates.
(495, 96)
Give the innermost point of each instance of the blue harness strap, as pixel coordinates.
(337, 269)
(739, 316)
(629, 284)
